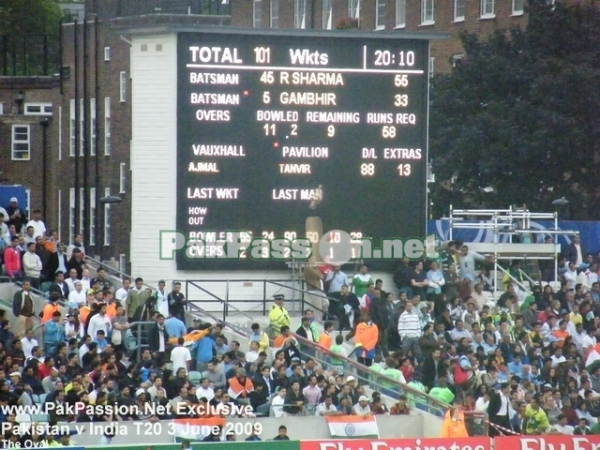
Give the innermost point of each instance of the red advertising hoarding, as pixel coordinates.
(482, 443)
(548, 442)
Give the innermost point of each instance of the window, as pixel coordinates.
(60, 142)
(71, 214)
(107, 126)
(457, 59)
(81, 210)
(300, 14)
(81, 129)
(107, 219)
(427, 17)
(431, 66)
(123, 262)
(400, 13)
(487, 9)
(517, 7)
(354, 9)
(92, 216)
(21, 142)
(327, 14)
(59, 214)
(106, 53)
(122, 178)
(459, 10)
(72, 129)
(274, 14)
(257, 14)
(92, 126)
(123, 87)
(380, 15)
(38, 109)
(1, 108)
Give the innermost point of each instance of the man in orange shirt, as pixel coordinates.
(280, 340)
(561, 334)
(367, 335)
(51, 307)
(325, 337)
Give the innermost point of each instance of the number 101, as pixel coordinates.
(262, 55)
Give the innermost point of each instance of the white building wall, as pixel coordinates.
(153, 172)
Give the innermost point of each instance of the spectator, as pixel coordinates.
(282, 436)
(278, 316)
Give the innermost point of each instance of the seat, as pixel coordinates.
(45, 286)
(21, 418)
(205, 374)
(263, 410)
(40, 418)
(43, 398)
(35, 398)
(194, 377)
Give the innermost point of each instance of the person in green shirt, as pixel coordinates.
(391, 371)
(442, 392)
(536, 418)
(596, 427)
(361, 280)
(338, 349)
(414, 399)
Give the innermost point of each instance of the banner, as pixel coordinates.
(548, 442)
(478, 443)
(195, 429)
(352, 426)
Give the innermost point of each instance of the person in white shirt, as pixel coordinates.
(204, 390)
(362, 407)
(181, 356)
(252, 354)
(562, 427)
(77, 297)
(39, 228)
(28, 342)
(121, 294)
(459, 331)
(157, 386)
(72, 279)
(327, 408)
(162, 301)
(570, 274)
(77, 243)
(467, 260)
(278, 402)
(86, 281)
(99, 322)
(32, 265)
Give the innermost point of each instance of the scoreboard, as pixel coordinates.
(284, 135)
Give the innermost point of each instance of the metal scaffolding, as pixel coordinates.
(510, 222)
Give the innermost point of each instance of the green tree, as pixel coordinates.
(521, 115)
(29, 34)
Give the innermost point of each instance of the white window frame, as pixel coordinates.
(106, 53)
(459, 16)
(1, 108)
(107, 126)
(81, 209)
(300, 14)
(257, 13)
(425, 18)
(37, 109)
(431, 66)
(486, 6)
(516, 9)
(400, 13)
(457, 59)
(122, 262)
(93, 126)
(93, 213)
(72, 124)
(123, 86)
(106, 219)
(380, 7)
(20, 129)
(81, 128)
(327, 14)
(71, 214)
(354, 9)
(122, 178)
(60, 133)
(274, 14)
(59, 214)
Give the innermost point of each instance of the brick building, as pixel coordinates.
(451, 17)
(86, 112)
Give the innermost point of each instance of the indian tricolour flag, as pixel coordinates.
(350, 427)
(593, 358)
(195, 429)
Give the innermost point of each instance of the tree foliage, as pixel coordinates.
(29, 17)
(521, 115)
